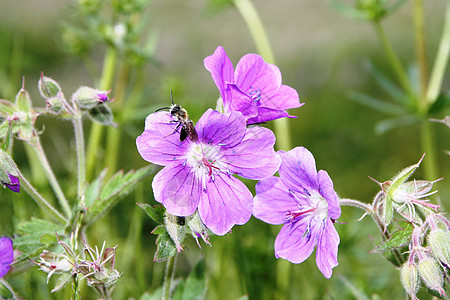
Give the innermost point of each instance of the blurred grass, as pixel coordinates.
(319, 52)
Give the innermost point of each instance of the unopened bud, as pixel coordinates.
(54, 105)
(439, 241)
(48, 87)
(410, 278)
(88, 98)
(431, 274)
(9, 174)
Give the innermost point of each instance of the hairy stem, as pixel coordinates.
(81, 163)
(168, 277)
(40, 200)
(51, 176)
(109, 66)
(258, 33)
(441, 61)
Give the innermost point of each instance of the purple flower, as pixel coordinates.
(199, 174)
(14, 185)
(305, 202)
(254, 88)
(6, 255)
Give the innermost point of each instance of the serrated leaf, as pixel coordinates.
(194, 287)
(101, 114)
(388, 124)
(116, 189)
(156, 213)
(34, 236)
(376, 104)
(399, 238)
(165, 247)
(160, 229)
(92, 191)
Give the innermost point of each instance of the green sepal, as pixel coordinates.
(7, 167)
(48, 87)
(156, 213)
(7, 109)
(165, 246)
(399, 238)
(194, 286)
(388, 210)
(5, 293)
(23, 101)
(101, 114)
(403, 176)
(114, 190)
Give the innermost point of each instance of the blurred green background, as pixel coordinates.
(320, 52)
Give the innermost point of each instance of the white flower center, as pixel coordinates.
(311, 206)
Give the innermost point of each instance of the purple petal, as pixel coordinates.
(267, 114)
(327, 250)
(238, 100)
(14, 185)
(293, 244)
(160, 142)
(221, 69)
(221, 129)
(285, 98)
(327, 191)
(6, 255)
(253, 157)
(177, 188)
(272, 201)
(226, 202)
(298, 169)
(254, 74)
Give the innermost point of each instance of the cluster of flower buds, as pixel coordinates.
(97, 267)
(428, 263)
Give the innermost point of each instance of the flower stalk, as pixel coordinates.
(81, 163)
(168, 277)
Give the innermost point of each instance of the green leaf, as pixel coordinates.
(165, 247)
(5, 293)
(441, 103)
(399, 238)
(389, 124)
(349, 11)
(35, 236)
(101, 114)
(92, 191)
(194, 287)
(156, 213)
(7, 109)
(116, 189)
(376, 104)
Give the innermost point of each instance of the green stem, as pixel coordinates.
(441, 61)
(51, 177)
(421, 54)
(81, 163)
(393, 60)
(428, 142)
(258, 33)
(40, 200)
(170, 270)
(109, 66)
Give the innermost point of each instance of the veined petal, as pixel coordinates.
(293, 244)
(285, 98)
(160, 142)
(327, 249)
(221, 129)
(253, 157)
(298, 169)
(268, 114)
(221, 68)
(272, 201)
(226, 202)
(177, 188)
(254, 74)
(327, 191)
(238, 100)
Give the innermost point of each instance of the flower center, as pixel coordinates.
(255, 95)
(311, 205)
(205, 161)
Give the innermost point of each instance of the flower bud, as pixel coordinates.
(431, 274)
(410, 278)
(439, 241)
(88, 98)
(54, 105)
(55, 263)
(198, 229)
(9, 174)
(48, 87)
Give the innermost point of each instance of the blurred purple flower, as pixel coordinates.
(14, 185)
(254, 88)
(199, 175)
(6, 255)
(305, 202)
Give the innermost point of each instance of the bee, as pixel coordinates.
(181, 117)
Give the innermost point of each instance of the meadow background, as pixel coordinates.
(320, 52)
